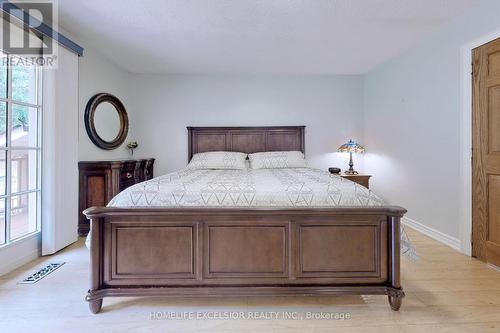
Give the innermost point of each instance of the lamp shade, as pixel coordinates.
(351, 147)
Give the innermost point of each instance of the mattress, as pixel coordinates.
(261, 188)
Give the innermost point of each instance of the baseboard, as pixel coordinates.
(19, 253)
(441, 237)
(10, 266)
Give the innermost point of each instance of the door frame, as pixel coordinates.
(466, 139)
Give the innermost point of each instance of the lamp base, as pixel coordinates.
(351, 170)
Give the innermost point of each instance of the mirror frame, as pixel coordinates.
(90, 110)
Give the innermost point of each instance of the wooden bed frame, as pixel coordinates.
(244, 252)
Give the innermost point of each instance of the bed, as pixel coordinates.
(245, 232)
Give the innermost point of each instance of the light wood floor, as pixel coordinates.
(446, 292)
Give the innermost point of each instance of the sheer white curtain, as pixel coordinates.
(59, 199)
(60, 153)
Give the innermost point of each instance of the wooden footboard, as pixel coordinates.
(230, 252)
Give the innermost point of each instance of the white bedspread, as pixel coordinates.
(262, 188)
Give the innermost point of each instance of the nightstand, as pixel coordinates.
(360, 179)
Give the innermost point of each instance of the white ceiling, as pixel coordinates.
(254, 36)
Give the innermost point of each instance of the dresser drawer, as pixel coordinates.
(139, 174)
(127, 172)
(148, 170)
(100, 181)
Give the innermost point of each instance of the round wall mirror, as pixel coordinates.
(106, 121)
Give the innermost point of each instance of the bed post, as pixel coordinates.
(95, 303)
(395, 292)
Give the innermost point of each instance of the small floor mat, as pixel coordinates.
(41, 273)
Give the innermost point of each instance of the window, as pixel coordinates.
(20, 153)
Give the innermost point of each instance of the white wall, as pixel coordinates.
(97, 74)
(412, 117)
(330, 107)
(406, 112)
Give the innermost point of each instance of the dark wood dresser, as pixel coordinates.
(100, 181)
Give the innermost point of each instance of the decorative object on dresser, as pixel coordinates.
(106, 121)
(351, 147)
(334, 170)
(131, 146)
(100, 181)
(360, 179)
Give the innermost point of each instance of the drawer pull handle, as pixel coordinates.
(129, 175)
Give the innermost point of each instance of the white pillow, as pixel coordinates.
(218, 160)
(277, 160)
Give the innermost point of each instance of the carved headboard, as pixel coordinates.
(245, 139)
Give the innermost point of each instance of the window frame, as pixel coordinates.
(8, 149)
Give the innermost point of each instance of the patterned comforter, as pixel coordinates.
(262, 188)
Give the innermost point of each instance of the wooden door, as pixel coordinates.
(486, 153)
